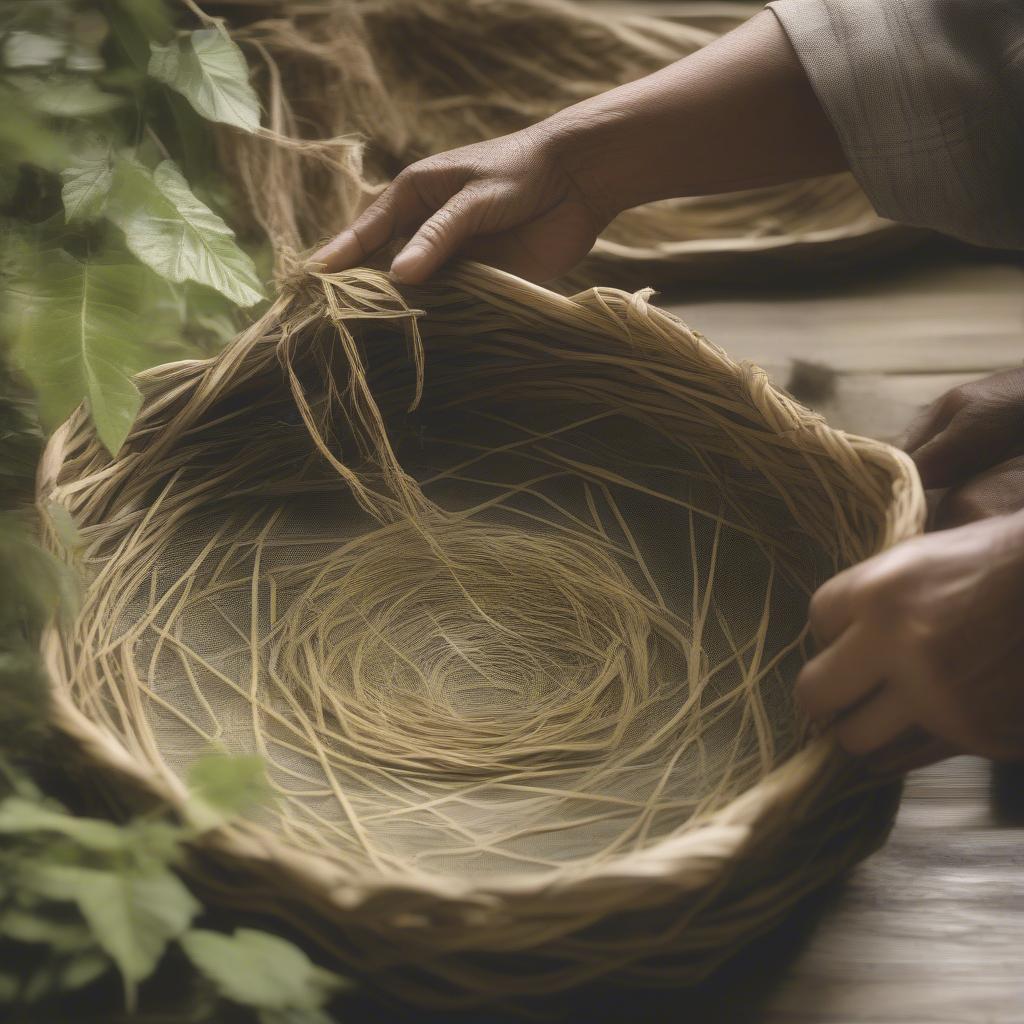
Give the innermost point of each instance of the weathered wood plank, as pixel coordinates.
(883, 405)
(929, 930)
(950, 319)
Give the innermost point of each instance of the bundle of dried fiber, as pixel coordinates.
(416, 77)
(509, 591)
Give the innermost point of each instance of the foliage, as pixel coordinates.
(88, 896)
(210, 72)
(41, 588)
(115, 254)
(260, 970)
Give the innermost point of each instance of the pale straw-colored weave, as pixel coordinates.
(509, 591)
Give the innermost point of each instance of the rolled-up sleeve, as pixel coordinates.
(927, 98)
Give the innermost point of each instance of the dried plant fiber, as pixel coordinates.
(393, 81)
(509, 590)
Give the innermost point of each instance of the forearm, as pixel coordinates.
(737, 114)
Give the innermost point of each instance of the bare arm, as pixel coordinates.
(736, 114)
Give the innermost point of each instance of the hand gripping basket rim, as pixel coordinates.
(697, 863)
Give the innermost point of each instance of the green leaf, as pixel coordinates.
(32, 50)
(9, 176)
(67, 96)
(210, 71)
(26, 139)
(261, 970)
(81, 335)
(223, 787)
(40, 584)
(87, 182)
(18, 816)
(133, 916)
(82, 969)
(64, 526)
(89, 31)
(16, 780)
(210, 320)
(32, 926)
(64, 975)
(23, 710)
(182, 239)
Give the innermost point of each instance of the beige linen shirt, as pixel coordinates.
(927, 97)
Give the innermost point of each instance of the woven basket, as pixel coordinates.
(509, 590)
(409, 78)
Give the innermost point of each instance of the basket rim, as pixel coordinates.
(689, 861)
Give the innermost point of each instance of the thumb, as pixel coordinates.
(976, 439)
(438, 239)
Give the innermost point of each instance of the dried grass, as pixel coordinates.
(509, 590)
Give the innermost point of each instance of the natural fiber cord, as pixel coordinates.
(355, 91)
(509, 591)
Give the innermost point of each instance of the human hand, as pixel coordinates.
(922, 649)
(511, 202)
(738, 113)
(972, 441)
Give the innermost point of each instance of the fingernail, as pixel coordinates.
(338, 253)
(403, 266)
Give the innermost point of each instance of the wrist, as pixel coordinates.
(602, 148)
(739, 113)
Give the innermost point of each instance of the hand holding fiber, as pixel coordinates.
(971, 440)
(508, 202)
(969, 429)
(925, 638)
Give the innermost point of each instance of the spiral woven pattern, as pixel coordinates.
(508, 590)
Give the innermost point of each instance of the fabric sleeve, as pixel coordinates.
(927, 98)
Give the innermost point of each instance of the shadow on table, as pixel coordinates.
(1008, 794)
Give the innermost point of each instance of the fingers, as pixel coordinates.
(543, 248)
(914, 749)
(843, 675)
(997, 491)
(400, 209)
(831, 608)
(969, 429)
(872, 725)
(930, 422)
(971, 443)
(439, 238)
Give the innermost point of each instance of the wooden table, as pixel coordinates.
(930, 930)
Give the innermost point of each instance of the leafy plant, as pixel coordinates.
(115, 254)
(89, 896)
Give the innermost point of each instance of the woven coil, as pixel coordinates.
(509, 590)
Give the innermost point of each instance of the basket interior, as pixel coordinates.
(551, 614)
